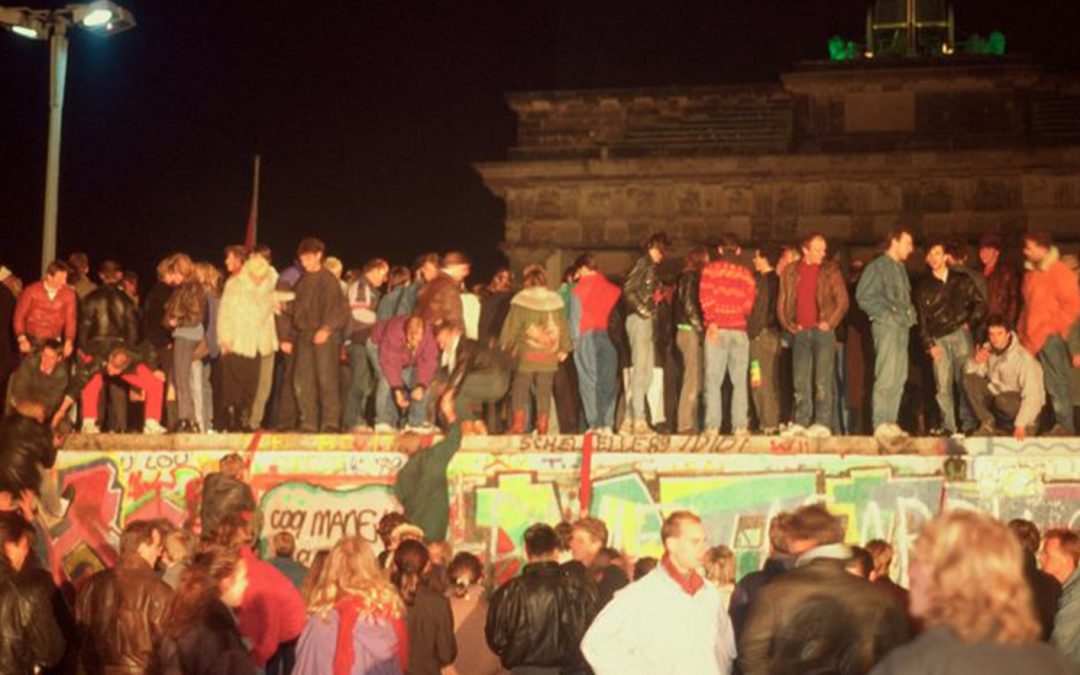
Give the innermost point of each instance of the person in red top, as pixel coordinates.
(813, 301)
(1051, 306)
(47, 310)
(1002, 288)
(592, 299)
(272, 613)
(727, 298)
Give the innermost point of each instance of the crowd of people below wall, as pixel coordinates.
(984, 598)
(762, 339)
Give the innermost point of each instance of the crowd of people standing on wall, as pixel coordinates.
(982, 597)
(736, 338)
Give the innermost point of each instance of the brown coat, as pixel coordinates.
(439, 302)
(832, 296)
(120, 615)
(186, 306)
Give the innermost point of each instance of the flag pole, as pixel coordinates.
(253, 215)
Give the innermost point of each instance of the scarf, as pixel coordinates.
(690, 583)
(349, 611)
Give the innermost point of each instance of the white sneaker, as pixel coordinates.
(153, 428)
(419, 429)
(90, 427)
(741, 432)
(897, 431)
(361, 429)
(819, 431)
(792, 430)
(384, 428)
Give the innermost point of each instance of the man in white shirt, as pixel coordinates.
(671, 621)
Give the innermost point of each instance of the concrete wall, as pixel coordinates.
(323, 487)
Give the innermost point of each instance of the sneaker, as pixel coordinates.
(769, 431)
(420, 429)
(641, 428)
(153, 428)
(985, 430)
(90, 427)
(887, 431)
(819, 431)
(958, 435)
(361, 429)
(792, 430)
(384, 428)
(897, 432)
(741, 432)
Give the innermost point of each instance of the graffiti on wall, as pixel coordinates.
(322, 496)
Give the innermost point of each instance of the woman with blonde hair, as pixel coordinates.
(206, 359)
(185, 313)
(968, 588)
(357, 624)
(720, 570)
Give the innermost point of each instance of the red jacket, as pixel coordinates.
(727, 294)
(1051, 302)
(272, 610)
(39, 317)
(597, 297)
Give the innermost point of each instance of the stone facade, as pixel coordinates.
(963, 147)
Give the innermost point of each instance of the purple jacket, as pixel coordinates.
(394, 358)
(374, 642)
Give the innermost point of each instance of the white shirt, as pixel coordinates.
(655, 627)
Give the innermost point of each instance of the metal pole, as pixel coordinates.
(58, 44)
(912, 39)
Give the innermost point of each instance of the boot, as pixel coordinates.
(542, 425)
(517, 422)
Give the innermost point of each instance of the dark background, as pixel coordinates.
(367, 113)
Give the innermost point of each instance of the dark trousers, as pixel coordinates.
(540, 384)
(765, 349)
(284, 659)
(239, 380)
(281, 411)
(567, 397)
(317, 382)
(989, 408)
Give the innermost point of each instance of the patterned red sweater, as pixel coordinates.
(727, 294)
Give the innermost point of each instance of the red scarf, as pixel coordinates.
(690, 583)
(349, 610)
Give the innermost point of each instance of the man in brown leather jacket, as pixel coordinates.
(120, 612)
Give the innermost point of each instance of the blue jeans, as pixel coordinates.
(727, 353)
(597, 368)
(956, 349)
(642, 359)
(386, 410)
(1057, 367)
(358, 391)
(890, 370)
(813, 354)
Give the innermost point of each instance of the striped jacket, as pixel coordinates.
(727, 294)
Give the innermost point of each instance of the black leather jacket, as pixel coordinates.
(25, 446)
(945, 306)
(639, 286)
(688, 300)
(539, 618)
(107, 318)
(29, 633)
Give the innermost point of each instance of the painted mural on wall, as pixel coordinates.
(322, 495)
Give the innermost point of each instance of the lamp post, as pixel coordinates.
(103, 16)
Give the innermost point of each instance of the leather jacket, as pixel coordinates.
(539, 618)
(639, 287)
(107, 317)
(120, 615)
(687, 301)
(29, 634)
(186, 306)
(25, 446)
(945, 306)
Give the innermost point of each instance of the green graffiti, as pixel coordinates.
(842, 50)
(515, 504)
(634, 520)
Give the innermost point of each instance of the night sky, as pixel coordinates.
(367, 113)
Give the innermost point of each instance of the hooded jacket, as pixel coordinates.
(245, 319)
(535, 331)
(1051, 302)
(1014, 369)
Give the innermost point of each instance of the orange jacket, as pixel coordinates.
(1051, 302)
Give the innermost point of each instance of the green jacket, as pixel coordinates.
(422, 488)
(535, 331)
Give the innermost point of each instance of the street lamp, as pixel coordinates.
(104, 17)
